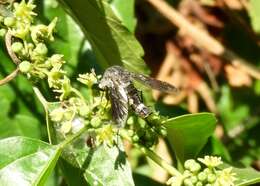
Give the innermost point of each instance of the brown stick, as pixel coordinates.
(15, 59)
(9, 77)
(8, 44)
(201, 38)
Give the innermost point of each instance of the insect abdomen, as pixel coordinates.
(136, 103)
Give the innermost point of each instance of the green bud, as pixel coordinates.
(130, 121)
(66, 127)
(17, 47)
(202, 176)
(194, 179)
(84, 111)
(41, 49)
(208, 184)
(30, 46)
(130, 132)
(199, 184)
(195, 167)
(57, 114)
(135, 138)
(188, 163)
(9, 21)
(95, 122)
(211, 178)
(25, 66)
(68, 114)
(187, 182)
(207, 171)
(2, 32)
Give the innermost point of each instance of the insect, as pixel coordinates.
(118, 82)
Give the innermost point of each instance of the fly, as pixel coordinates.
(118, 82)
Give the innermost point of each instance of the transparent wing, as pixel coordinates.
(154, 83)
(119, 105)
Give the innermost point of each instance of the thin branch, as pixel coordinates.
(8, 44)
(202, 38)
(9, 77)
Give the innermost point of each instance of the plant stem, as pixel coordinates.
(9, 77)
(157, 159)
(40, 97)
(45, 106)
(73, 137)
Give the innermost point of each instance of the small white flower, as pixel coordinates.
(175, 181)
(226, 177)
(211, 161)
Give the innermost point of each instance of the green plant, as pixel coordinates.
(81, 133)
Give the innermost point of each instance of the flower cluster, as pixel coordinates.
(73, 111)
(210, 175)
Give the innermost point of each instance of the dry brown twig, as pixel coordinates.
(202, 38)
(15, 59)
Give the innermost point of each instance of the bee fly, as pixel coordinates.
(118, 83)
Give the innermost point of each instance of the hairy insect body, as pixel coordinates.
(135, 101)
(122, 93)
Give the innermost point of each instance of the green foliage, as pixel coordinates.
(187, 134)
(99, 23)
(82, 140)
(26, 161)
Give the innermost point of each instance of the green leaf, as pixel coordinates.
(26, 161)
(125, 11)
(107, 166)
(246, 176)
(255, 14)
(187, 134)
(70, 37)
(231, 115)
(102, 165)
(112, 43)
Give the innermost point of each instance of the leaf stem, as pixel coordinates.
(45, 106)
(40, 97)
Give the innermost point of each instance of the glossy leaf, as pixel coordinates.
(112, 43)
(25, 161)
(187, 134)
(108, 166)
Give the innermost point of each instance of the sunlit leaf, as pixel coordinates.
(187, 134)
(112, 43)
(25, 161)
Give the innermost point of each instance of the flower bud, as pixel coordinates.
(95, 122)
(211, 178)
(202, 176)
(9, 21)
(2, 32)
(25, 66)
(17, 47)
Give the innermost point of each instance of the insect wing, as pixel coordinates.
(154, 83)
(119, 105)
